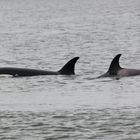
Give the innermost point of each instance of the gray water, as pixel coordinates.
(45, 34)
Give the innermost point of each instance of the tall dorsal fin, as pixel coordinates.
(68, 68)
(114, 66)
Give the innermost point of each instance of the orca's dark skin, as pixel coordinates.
(116, 71)
(67, 69)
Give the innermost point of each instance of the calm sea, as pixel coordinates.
(45, 34)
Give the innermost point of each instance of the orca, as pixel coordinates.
(115, 70)
(67, 69)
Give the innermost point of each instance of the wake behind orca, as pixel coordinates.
(116, 70)
(67, 69)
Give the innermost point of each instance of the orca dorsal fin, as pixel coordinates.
(114, 66)
(68, 68)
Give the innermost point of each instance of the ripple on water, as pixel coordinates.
(121, 123)
(45, 35)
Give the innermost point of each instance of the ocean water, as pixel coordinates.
(45, 34)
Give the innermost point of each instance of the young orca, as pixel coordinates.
(116, 70)
(67, 69)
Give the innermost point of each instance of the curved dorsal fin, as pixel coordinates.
(114, 66)
(69, 67)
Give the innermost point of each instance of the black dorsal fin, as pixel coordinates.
(68, 68)
(114, 66)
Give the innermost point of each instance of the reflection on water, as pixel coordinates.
(45, 35)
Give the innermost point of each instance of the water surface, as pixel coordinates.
(45, 34)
